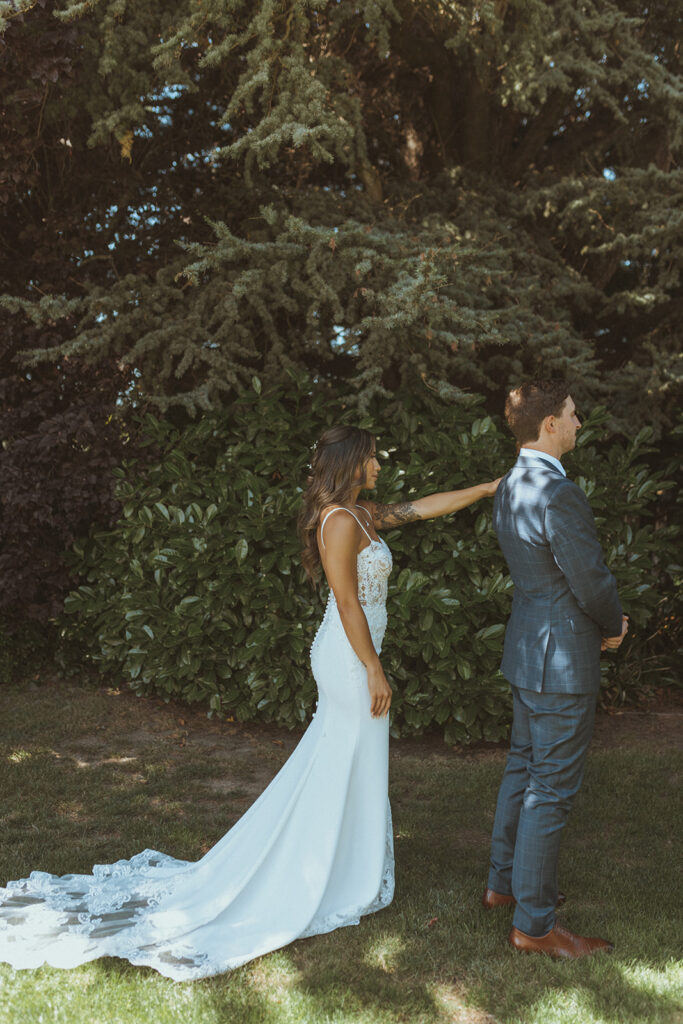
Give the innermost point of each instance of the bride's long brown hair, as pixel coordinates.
(338, 458)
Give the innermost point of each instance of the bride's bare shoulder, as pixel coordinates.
(339, 525)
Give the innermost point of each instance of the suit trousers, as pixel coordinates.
(544, 770)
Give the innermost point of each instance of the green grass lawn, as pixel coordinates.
(91, 776)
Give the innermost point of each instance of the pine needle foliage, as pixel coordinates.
(366, 192)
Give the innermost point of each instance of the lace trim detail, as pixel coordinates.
(387, 885)
(384, 897)
(102, 914)
(149, 870)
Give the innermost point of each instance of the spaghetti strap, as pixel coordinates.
(341, 508)
(366, 512)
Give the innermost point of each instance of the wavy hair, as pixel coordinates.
(337, 458)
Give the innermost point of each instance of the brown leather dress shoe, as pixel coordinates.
(559, 943)
(492, 899)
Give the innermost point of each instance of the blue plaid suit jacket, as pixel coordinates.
(565, 597)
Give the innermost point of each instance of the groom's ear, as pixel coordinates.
(548, 424)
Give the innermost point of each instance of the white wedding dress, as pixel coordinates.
(313, 853)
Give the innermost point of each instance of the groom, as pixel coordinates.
(565, 609)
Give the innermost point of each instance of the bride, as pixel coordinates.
(315, 851)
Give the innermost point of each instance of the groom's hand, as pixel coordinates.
(611, 643)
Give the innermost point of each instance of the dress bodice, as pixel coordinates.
(373, 569)
(374, 566)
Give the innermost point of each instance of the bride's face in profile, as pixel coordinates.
(369, 471)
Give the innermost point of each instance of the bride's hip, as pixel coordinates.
(331, 644)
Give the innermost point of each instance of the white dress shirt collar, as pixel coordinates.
(544, 455)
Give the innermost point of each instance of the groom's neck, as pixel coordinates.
(547, 448)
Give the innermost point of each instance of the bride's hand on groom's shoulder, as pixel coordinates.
(492, 487)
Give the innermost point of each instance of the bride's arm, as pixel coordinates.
(431, 507)
(342, 536)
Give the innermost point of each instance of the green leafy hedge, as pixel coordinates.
(198, 592)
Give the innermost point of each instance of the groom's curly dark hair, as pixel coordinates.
(528, 405)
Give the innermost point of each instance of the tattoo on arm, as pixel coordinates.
(395, 515)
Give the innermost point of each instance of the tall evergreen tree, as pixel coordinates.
(375, 191)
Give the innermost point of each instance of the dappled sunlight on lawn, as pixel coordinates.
(384, 953)
(452, 1000)
(600, 991)
(273, 975)
(18, 756)
(96, 763)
